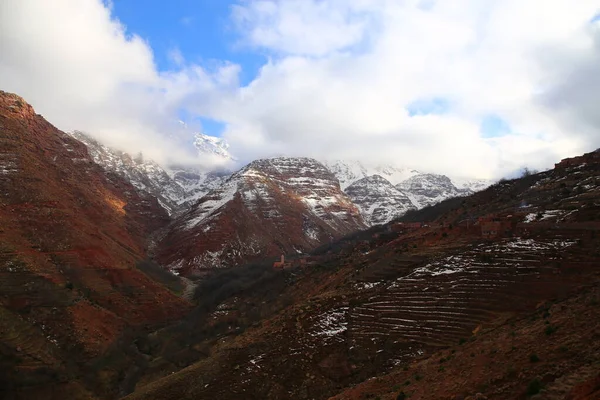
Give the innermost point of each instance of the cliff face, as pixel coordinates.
(70, 236)
(270, 207)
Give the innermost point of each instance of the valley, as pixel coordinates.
(119, 281)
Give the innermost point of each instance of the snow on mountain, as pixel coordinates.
(472, 185)
(144, 174)
(378, 200)
(349, 172)
(271, 206)
(421, 189)
(199, 180)
(196, 181)
(428, 189)
(176, 187)
(212, 146)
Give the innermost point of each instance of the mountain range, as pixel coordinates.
(488, 295)
(178, 187)
(271, 206)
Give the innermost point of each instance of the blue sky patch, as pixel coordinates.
(212, 127)
(199, 30)
(208, 126)
(494, 126)
(436, 105)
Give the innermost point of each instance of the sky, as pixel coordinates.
(465, 87)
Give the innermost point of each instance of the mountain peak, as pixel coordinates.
(271, 206)
(212, 145)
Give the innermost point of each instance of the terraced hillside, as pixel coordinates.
(365, 321)
(549, 353)
(439, 302)
(409, 296)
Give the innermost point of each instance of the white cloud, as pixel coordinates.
(282, 25)
(531, 63)
(80, 69)
(340, 77)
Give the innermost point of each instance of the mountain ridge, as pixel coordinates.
(270, 207)
(178, 187)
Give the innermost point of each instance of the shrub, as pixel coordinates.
(550, 330)
(534, 358)
(69, 285)
(462, 341)
(534, 387)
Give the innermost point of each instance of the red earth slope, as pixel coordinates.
(70, 236)
(270, 207)
(442, 310)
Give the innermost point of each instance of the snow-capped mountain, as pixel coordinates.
(378, 200)
(211, 145)
(270, 207)
(144, 174)
(199, 180)
(349, 172)
(421, 189)
(179, 187)
(428, 189)
(471, 185)
(176, 187)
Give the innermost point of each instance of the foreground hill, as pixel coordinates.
(270, 207)
(496, 295)
(70, 238)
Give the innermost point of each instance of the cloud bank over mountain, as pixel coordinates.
(469, 88)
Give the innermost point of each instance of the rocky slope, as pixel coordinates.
(349, 172)
(422, 189)
(144, 174)
(379, 201)
(213, 169)
(70, 238)
(428, 189)
(440, 312)
(270, 207)
(176, 187)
